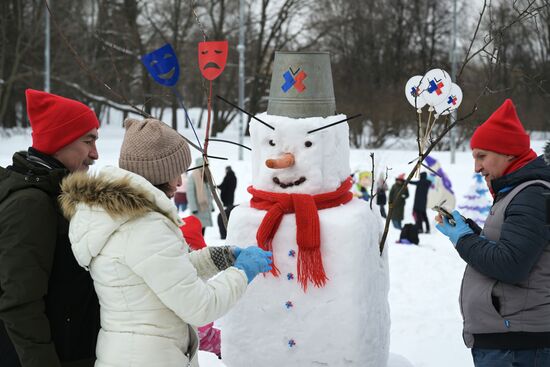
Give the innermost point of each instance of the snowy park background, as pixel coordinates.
(424, 280)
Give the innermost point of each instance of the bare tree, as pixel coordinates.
(20, 33)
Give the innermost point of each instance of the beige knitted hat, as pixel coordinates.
(153, 150)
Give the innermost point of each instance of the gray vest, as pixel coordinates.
(524, 306)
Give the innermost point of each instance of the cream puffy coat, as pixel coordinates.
(126, 232)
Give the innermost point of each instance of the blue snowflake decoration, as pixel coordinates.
(291, 343)
(292, 253)
(290, 276)
(289, 304)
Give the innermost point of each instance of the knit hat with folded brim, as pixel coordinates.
(502, 132)
(57, 121)
(153, 150)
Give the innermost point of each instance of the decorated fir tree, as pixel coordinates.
(477, 201)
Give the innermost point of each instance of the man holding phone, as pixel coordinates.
(505, 295)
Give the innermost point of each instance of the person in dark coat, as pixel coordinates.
(49, 311)
(381, 198)
(506, 285)
(420, 200)
(397, 203)
(227, 195)
(227, 187)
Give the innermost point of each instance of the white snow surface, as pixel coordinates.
(426, 325)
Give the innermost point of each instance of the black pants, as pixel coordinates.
(383, 211)
(223, 231)
(420, 216)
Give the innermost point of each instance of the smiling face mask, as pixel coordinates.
(163, 65)
(212, 58)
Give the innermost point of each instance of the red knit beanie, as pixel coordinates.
(502, 132)
(57, 121)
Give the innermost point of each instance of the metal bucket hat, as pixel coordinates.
(301, 85)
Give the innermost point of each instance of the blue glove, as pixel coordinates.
(454, 232)
(253, 260)
(236, 251)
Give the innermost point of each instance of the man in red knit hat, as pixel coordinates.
(49, 312)
(505, 295)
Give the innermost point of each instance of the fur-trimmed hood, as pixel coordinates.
(98, 204)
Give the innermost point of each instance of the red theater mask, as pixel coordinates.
(212, 58)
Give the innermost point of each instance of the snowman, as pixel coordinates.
(441, 193)
(326, 301)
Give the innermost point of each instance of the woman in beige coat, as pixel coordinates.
(125, 229)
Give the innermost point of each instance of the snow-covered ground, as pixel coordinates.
(424, 280)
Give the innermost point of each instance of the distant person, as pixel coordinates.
(381, 198)
(209, 336)
(199, 197)
(361, 188)
(227, 187)
(505, 292)
(397, 203)
(180, 198)
(125, 230)
(420, 200)
(227, 195)
(49, 312)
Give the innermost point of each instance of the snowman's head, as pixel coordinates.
(291, 159)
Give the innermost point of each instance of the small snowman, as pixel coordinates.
(441, 193)
(326, 301)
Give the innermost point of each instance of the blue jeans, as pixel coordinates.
(396, 223)
(511, 358)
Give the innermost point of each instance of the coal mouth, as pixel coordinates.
(284, 185)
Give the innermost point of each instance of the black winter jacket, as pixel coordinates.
(524, 234)
(48, 307)
(227, 188)
(516, 259)
(421, 193)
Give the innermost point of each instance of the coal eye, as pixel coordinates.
(308, 143)
(272, 143)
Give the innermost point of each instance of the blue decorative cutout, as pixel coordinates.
(160, 63)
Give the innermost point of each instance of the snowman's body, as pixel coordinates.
(439, 194)
(344, 323)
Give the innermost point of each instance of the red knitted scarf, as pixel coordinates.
(308, 236)
(519, 162)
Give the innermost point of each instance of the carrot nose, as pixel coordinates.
(285, 161)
